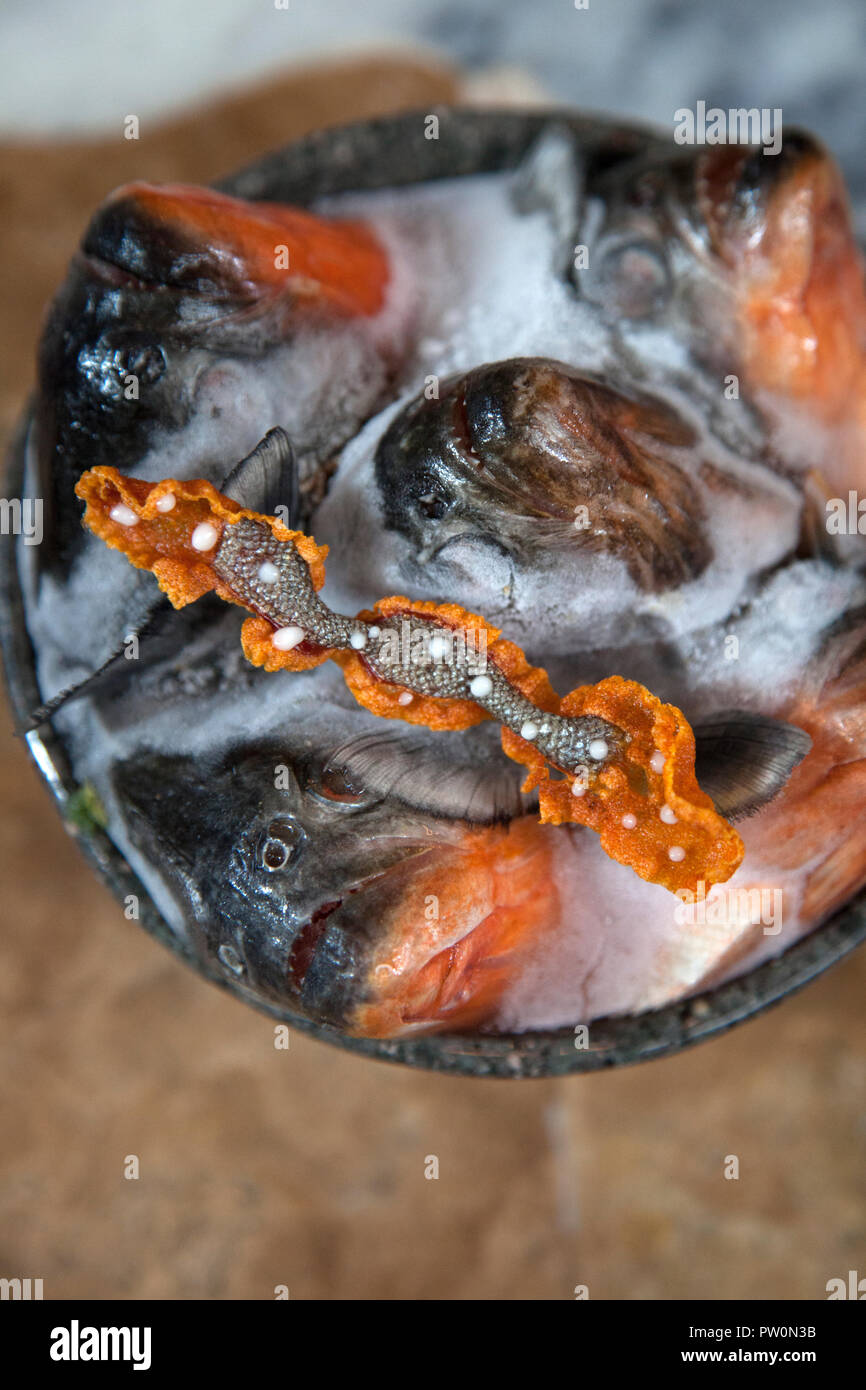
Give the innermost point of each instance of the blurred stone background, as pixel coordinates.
(306, 1167)
(74, 69)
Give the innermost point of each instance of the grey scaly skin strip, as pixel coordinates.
(290, 600)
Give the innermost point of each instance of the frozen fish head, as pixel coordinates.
(580, 515)
(379, 887)
(187, 322)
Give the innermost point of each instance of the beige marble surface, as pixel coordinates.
(306, 1167)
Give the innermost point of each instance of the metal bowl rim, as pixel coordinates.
(615, 1040)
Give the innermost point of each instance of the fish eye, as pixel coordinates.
(280, 844)
(339, 785)
(631, 278)
(433, 505)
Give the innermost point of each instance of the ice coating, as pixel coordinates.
(498, 294)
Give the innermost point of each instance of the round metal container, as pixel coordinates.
(391, 152)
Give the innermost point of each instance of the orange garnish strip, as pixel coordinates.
(610, 756)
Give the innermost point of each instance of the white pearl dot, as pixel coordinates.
(529, 730)
(374, 631)
(629, 821)
(285, 638)
(439, 647)
(123, 515)
(405, 699)
(667, 815)
(166, 502)
(268, 572)
(598, 749)
(578, 788)
(657, 761)
(204, 537)
(358, 640)
(676, 853)
(481, 687)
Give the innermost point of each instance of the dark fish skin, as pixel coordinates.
(512, 449)
(660, 251)
(665, 235)
(99, 330)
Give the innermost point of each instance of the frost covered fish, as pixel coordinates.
(317, 875)
(679, 409)
(552, 441)
(188, 318)
(190, 323)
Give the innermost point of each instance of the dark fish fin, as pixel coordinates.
(550, 180)
(119, 665)
(423, 773)
(743, 760)
(267, 478)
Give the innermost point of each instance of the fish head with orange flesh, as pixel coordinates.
(300, 879)
(190, 322)
(750, 258)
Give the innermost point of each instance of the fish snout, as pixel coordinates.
(781, 226)
(199, 242)
(319, 843)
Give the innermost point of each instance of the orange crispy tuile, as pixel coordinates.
(161, 541)
(259, 650)
(383, 697)
(628, 787)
